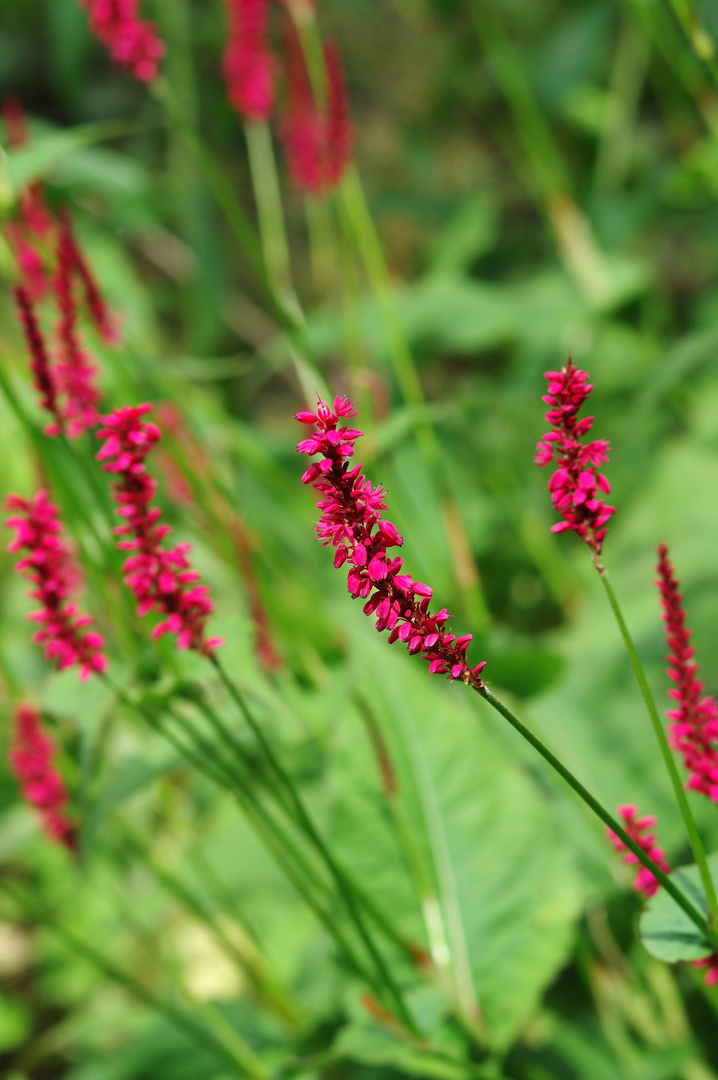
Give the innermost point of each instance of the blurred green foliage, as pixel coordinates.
(543, 178)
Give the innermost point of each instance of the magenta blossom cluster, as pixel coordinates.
(49, 566)
(694, 727)
(32, 759)
(351, 521)
(248, 65)
(161, 578)
(576, 485)
(133, 43)
(638, 828)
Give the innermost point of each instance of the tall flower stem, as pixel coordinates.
(607, 818)
(695, 841)
(203, 757)
(269, 208)
(177, 1017)
(305, 820)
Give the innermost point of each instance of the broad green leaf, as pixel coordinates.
(666, 930)
(47, 149)
(504, 886)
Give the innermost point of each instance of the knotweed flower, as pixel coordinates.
(318, 139)
(75, 373)
(32, 759)
(104, 321)
(248, 65)
(133, 43)
(351, 521)
(638, 829)
(45, 382)
(576, 485)
(161, 579)
(181, 491)
(49, 566)
(694, 731)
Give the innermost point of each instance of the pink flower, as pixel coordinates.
(45, 381)
(132, 42)
(710, 963)
(248, 65)
(318, 139)
(32, 760)
(576, 487)
(54, 576)
(161, 579)
(104, 321)
(75, 373)
(352, 523)
(694, 731)
(638, 829)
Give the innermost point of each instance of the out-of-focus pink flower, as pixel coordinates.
(49, 566)
(576, 487)
(694, 730)
(179, 488)
(352, 523)
(161, 579)
(75, 373)
(32, 759)
(318, 139)
(638, 828)
(710, 964)
(133, 43)
(248, 65)
(45, 382)
(104, 320)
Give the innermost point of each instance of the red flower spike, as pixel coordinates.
(133, 43)
(161, 579)
(75, 373)
(694, 727)
(318, 140)
(104, 321)
(576, 486)
(248, 65)
(31, 758)
(351, 521)
(638, 829)
(50, 568)
(45, 383)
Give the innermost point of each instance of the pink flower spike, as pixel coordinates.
(45, 377)
(248, 65)
(351, 521)
(32, 759)
(638, 829)
(694, 731)
(54, 577)
(575, 484)
(132, 42)
(75, 373)
(161, 579)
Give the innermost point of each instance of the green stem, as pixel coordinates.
(681, 798)
(607, 818)
(343, 884)
(179, 1018)
(269, 209)
(273, 836)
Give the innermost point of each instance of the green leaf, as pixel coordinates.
(46, 150)
(666, 930)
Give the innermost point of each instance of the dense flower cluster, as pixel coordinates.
(576, 485)
(161, 579)
(32, 758)
(49, 566)
(352, 522)
(694, 730)
(133, 43)
(638, 828)
(75, 373)
(318, 138)
(248, 65)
